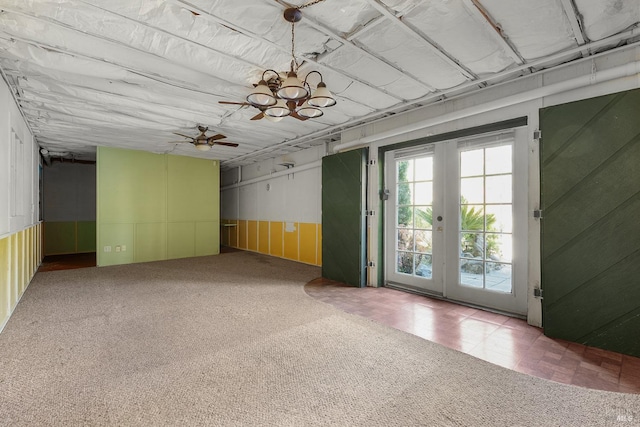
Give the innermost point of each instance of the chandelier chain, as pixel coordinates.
(311, 3)
(293, 47)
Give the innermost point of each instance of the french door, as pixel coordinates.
(456, 220)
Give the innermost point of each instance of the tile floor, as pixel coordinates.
(498, 339)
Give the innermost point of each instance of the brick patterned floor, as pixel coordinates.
(498, 339)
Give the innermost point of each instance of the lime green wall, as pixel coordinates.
(69, 237)
(155, 206)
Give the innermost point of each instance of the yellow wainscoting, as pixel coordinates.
(307, 243)
(297, 241)
(291, 243)
(20, 256)
(252, 235)
(275, 239)
(5, 280)
(263, 237)
(242, 234)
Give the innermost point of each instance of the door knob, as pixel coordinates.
(439, 218)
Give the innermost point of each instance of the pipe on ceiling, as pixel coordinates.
(627, 70)
(289, 171)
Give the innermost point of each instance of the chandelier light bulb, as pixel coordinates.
(292, 88)
(322, 97)
(308, 111)
(280, 109)
(262, 95)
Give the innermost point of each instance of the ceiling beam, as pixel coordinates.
(204, 13)
(575, 19)
(422, 38)
(349, 40)
(481, 15)
(116, 42)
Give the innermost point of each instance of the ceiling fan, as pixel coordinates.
(203, 142)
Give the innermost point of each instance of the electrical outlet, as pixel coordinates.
(107, 248)
(123, 248)
(117, 248)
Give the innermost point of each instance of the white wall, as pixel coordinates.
(19, 168)
(266, 192)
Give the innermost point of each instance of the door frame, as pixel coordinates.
(518, 300)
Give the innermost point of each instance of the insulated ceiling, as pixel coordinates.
(132, 73)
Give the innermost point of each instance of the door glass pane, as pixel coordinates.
(423, 265)
(424, 217)
(414, 216)
(499, 189)
(499, 247)
(500, 218)
(424, 193)
(405, 194)
(405, 216)
(498, 277)
(472, 217)
(404, 171)
(405, 263)
(498, 160)
(405, 239)
(424, 169)
(472, 190)
(472, 163)
(423, 241)
(486, 218)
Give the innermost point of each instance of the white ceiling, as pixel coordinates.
(130, 73)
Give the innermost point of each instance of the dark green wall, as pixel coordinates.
(591, 221)
(343, 225)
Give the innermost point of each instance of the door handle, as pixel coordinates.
(439, 218)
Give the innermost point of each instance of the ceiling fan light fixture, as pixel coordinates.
(309, 111)
(322, 97)
(262, 95)
(292, 88)
(279, 110)
(203, 146)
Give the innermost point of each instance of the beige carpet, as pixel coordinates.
(234, 340)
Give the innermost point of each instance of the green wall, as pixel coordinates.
(69, 237)
(591, 233)
(156, 206)
(343, 223)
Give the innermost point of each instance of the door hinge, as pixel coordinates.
(371, 162)
(537, 213)
(537, 292)
(371, 264)
(369, 213)
(384, 194)
(537, 134)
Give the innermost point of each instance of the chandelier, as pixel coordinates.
(279, 98)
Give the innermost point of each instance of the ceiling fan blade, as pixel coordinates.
(258, 116)
(230, 144)
(216, 137)
(180, 134)
(297, 116)
(177, 142)
(234, 103)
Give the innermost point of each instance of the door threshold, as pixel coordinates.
(435, 295)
